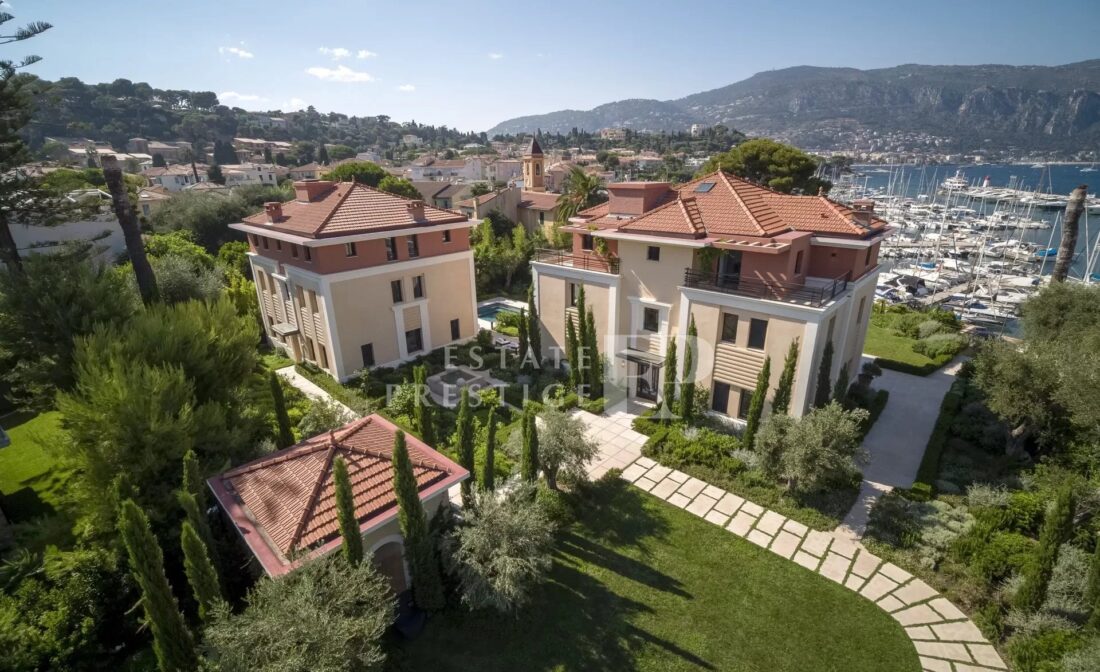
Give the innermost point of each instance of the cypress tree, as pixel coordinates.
(824, 371)
(422, 409)
(172, 642)
(197, 518)
(781, 403)
(345, 512)
(1057, 528)
(523, 344)
(687, 386)
(840, 389)
(423, 566)
(465, 432)
(756, 405)
(286, 436)
(572, 350)
(595, 363)
(488, 475)
(529, 460)
(668, 388)
(583, 353)
(192, 478)
(534, 330)
(200, 570)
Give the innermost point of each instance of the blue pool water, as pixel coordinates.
(492, 310)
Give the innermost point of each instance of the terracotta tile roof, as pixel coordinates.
(481, 200)
(286, 501)
(538, 200)
(725, 205)
(350, 207)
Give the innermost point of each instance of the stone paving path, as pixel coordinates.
(619, 444)
(945, 639)
(309, 388)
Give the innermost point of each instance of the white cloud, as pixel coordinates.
(495, 56)
(233, 96)
(236, 51)
(336, 53)
(406, 88)
(363, 53)
(340, 73)
(293, 105)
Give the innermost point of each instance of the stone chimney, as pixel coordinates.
(274, 211)
(307, 191)
(862, 211)
(415, 210)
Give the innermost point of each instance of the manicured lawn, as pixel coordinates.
(638, 584)
(30, 486)
(883, 342)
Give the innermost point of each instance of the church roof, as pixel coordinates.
(533, 148)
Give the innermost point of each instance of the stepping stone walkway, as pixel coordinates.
(945, 639)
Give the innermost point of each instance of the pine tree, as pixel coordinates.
(199, 570)
(345, 512)
(840, 389)
(824, 375)
(594, 376)
(534, 330)
(423, 416)
(572, 351)
(781, 403)
(529, 460)
(427, 583)
(668, 387)
(172, 642)
(1057, 529)
(523, 345)
(197, 518)
(756, 405)
(192, 478)
(687, 386)
(465, 445)
(488, 475)
(286, 436)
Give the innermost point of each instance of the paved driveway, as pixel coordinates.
(619, 444)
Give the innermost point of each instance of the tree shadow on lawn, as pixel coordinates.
(627, 567)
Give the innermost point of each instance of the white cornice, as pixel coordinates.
(581, 275)
(390, 267)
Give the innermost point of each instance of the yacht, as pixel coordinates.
(956, 183)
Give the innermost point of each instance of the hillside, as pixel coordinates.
(1030, 107)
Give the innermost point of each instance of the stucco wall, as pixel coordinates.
(368, 253)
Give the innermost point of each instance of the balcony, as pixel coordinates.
(816, 292)
(584, 262)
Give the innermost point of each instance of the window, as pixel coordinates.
(349, 250)
(395, 290)
(798, 263)
(265, 242)
(586, 242)
(729, 327)
(367, 351)
(312, 301)
(145, 209)
(650, 319)
(301, 298)
(414, 342)
(758, 333)
(414, 246)
(255, 239)
(278, 245)
(324, 358)
(867, 261)
(446, 235)
(294, 251)
(308, 253)
(704, 187)
(572, 294)
(542, 218)
(311, 354)
(859, 313)
(720, 400)
(418, 287)
(454, 329)
(391, 249)
(653, 253)
(743, 404)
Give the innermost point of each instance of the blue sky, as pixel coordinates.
(474, 63)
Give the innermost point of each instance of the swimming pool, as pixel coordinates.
(490, 311)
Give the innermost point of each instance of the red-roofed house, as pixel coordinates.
(757, 269)
(349, 277)
(284, 504)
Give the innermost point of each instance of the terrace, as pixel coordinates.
(816, 292)
(586, 262)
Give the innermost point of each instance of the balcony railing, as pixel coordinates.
(587, 262)
(812, 295)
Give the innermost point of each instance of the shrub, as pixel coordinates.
(1084, 659)
(940, 345)
(929, 327)
(980, 495)
(1032, 653)
(929, 527)
(990, 552)
(949, 408)
(1025, 512)
(595, 406)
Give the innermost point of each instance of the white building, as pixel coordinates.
(241, 174)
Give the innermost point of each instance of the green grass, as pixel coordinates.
(30, 484)
(884, 343)
(638, 584)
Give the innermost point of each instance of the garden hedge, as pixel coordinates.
(930, 464)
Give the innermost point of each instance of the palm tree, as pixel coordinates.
(579, 191)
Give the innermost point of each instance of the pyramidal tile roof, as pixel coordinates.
(284, 503)
(720, 204)
(350, 207)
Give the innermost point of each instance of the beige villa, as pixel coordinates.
(349, 277)
(756, 269)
